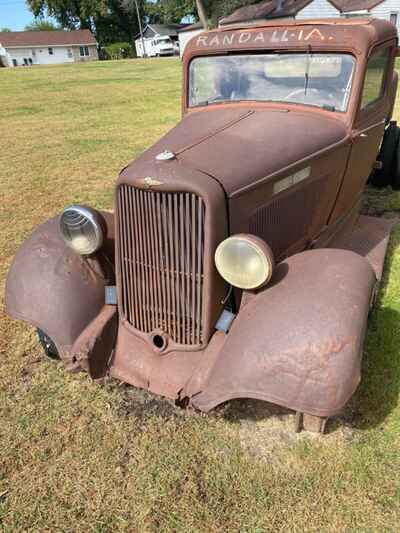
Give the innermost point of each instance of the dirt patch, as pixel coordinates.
(141, 404)
(264, 428)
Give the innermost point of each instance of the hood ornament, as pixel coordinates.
(167, 155)
(149, 182)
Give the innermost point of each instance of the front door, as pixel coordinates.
(368, 129)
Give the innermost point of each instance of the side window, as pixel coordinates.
(374, 83)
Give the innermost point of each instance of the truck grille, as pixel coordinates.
(161, 254)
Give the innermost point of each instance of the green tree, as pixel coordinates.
(71, 14)
(106, 18)
(217, 9)
(167, 11)
(5, 29)
(118, 24)
(42, 25)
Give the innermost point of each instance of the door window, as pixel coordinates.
(374, 83)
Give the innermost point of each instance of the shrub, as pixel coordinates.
(118, 51)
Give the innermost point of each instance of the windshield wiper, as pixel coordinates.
(213, 102)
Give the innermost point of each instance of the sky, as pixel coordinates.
(14, 14)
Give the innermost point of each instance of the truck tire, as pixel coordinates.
(396, 173)
(388, 156)
(48, 345)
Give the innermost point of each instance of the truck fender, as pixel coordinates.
(298, 343)
(56, 290)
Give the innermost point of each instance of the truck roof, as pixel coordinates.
(357, 35)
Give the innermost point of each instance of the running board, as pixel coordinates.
(369, 238)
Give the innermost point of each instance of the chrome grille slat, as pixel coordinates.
(161, 262)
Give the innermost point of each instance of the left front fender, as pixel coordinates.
(297, 343)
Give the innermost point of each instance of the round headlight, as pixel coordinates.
(245, 261)
(81, 229)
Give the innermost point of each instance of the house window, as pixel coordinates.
(51, 52)
(393, 18)
(69, 52)
(374, 83)
(33, 53)
(15, 62)
(84, 51)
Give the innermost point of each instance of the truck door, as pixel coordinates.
(368, 129)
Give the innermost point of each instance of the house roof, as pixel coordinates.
(10, 39)
(289, 8)
(346, 6)
(265, 10)
(192, 27)
(165, 29)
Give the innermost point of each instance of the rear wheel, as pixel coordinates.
(388, 157)
(396, 173)
(48, 345)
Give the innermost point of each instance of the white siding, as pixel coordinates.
(5, 60)
(184, 38)
(384, 10)
(318, 9)
(41, 55)
(323, 8)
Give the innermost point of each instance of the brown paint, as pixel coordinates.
(289, 174)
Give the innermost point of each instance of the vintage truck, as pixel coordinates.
(237, 264)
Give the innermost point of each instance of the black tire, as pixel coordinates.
(47, 344)
(396, 173)
(388, 156)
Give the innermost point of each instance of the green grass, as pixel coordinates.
(82, 456)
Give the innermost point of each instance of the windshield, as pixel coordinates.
(322, 80)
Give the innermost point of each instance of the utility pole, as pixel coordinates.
(140, 28)
(202, 14)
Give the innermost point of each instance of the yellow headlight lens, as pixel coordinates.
(245, 261)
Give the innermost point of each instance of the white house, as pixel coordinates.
(384, 9)
(187, 33)
(306, 9)
(158, 40)
(3, 57)
(24, 48)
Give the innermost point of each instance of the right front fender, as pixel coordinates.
(55, 289)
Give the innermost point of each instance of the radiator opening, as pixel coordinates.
(161, 256)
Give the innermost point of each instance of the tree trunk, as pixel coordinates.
(202, 13)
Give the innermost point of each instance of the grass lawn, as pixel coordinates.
(77, 456)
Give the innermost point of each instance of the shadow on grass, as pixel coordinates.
(378, 394)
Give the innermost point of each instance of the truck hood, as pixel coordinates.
(240, 146)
